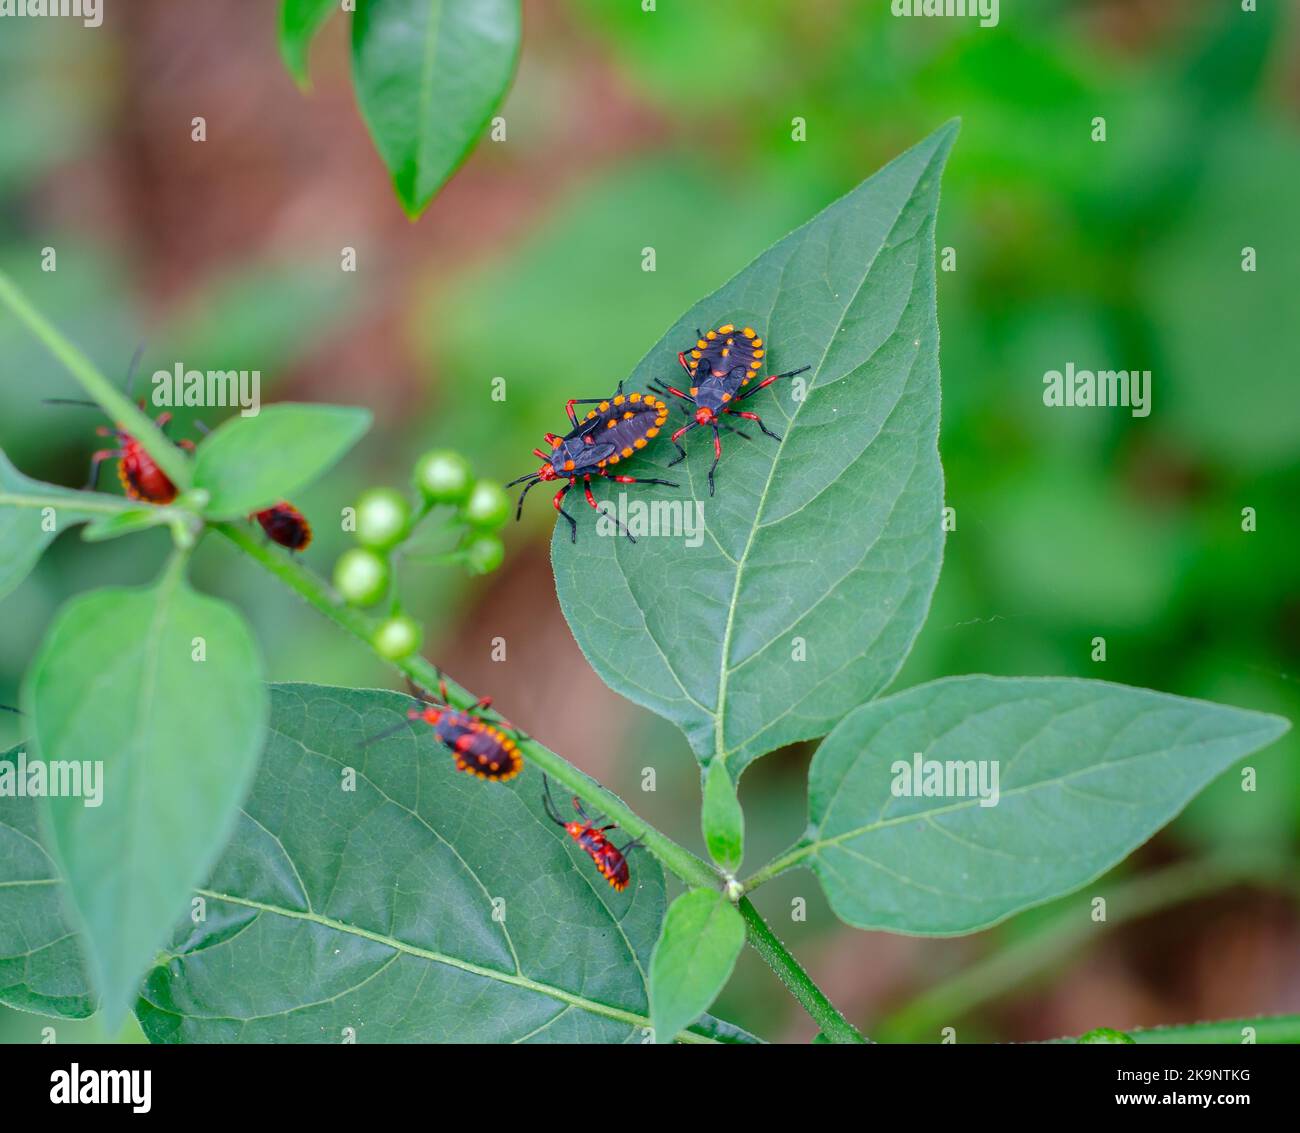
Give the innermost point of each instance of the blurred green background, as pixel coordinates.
(672, 130)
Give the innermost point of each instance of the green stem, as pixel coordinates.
(77, 501)
(114, 402)
(792, 857)
(678, 859)
(1268, 1029)
(811, 998)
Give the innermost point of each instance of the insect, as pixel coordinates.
(721, 364)
(141, 477)
(615, 430)
(286, 525)
(610, 861)
(481, 747)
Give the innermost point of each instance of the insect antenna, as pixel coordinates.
(549, 803)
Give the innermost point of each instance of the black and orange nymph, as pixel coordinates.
(616, 430)
(481, 747)
(610, 861)
(724, 367)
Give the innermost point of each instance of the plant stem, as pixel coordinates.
(792, 857)
(691, 869)
(77, 501)
(1268, 1029)
(811, 998)
(113, 401)
(678, 859)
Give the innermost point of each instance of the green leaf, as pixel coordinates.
(722, 819)
(41, 968)
(820, 553)
(428, 76)
(1086, 772)
(249, 463)
(171, 742)
(702, 936)
(32, 514)
(300, 20)
(407, 902)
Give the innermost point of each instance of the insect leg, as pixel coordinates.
(717, 455)
(559, 499)
(95, 461)
(758, 421)
(769, 381)
(681, 452)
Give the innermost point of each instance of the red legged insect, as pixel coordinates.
(286, 525)
(721, 365)
(481, 747)
(141, 477)
(610, 861)
(615, 430)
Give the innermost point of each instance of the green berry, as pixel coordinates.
(383, 518)
(483, 552)
(361, 576)
(397, 637)
(1105, 1035)
(443, 476)
(488, 506)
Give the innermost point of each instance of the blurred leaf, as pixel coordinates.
(1224, 369)
(579, 286)
(428, 77)
(300, 20)
(828, 541)
(722, 819)
(31, 515)
(249, 463)
(1087, 771)
(116, 683)
(701, 938)
(41, 968)
(416, 904)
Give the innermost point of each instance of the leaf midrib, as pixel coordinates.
(720, 751)
(591, 1006)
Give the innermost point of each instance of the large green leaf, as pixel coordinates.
(41, 967)
(1087, 771)
(821, 552)
(300, 20)
(119, 683)
(368, 911)
(702, 936)
(249, 463)
(32, 514)
(428, 75)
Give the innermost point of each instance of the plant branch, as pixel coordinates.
(792, 857)
(1267, 1028)
(811, 998)
(678, 859)
(120, 408)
